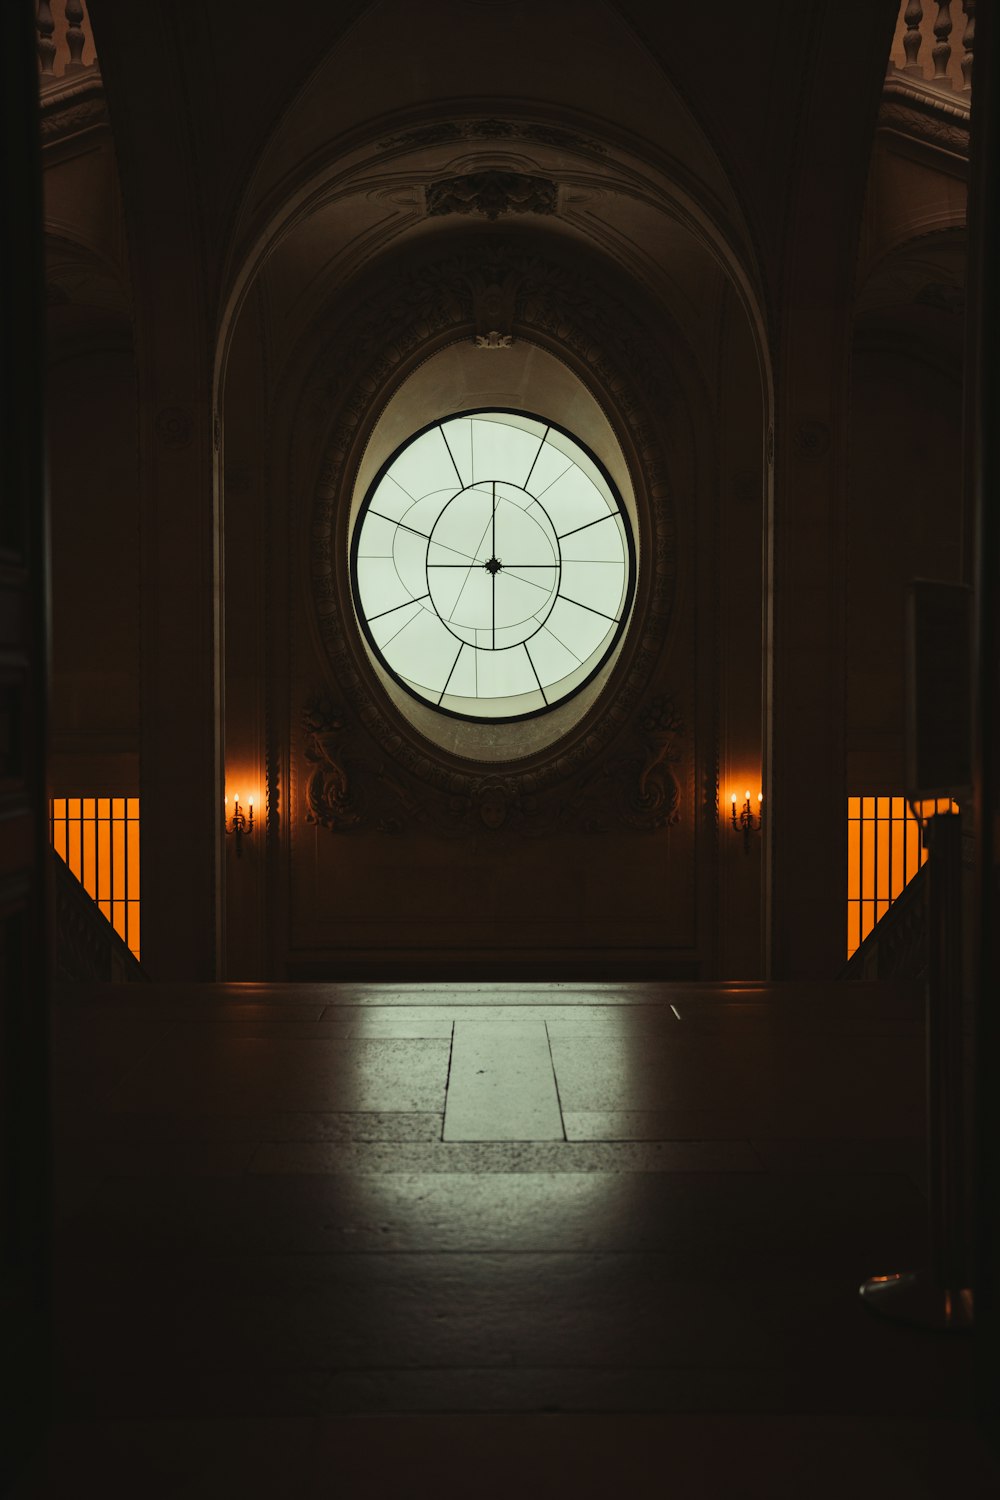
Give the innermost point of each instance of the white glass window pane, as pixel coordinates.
(503, 674)
(579, 630)
(463, 682)
(389, 500)
(600, 543)
(468, 593)
(582, 460)
(572, 502)
(387, 627)
(423, 515)
(408, 554)
(426, 465)
(550, 465)
(380, 586)
(520, 599)
(423, 652)
(465, 527)
(473, 607)
(502, 452)
(551, 659)
(376, 537)
(601, 586)
(459, 436)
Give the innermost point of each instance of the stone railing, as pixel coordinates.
(69, 79)
(932, 52)
(896, 947)
(87, 947)
(65, 41)
(928, 83)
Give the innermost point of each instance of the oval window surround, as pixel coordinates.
(460, 380)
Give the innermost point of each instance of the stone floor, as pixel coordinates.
(364, 1240)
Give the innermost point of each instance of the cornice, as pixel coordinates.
(72, 105)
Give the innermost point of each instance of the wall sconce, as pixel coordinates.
(745, 821)
(240, 825)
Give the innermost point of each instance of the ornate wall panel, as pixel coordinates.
(619, 791)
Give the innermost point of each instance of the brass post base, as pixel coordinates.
(911, 1297)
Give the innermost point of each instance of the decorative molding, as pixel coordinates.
(492, 194)
(330, 801)
(926, 95)
(72, 105)
(447, 132)
(943, 295)
(637, 790)
(928, 121)
(494, 340)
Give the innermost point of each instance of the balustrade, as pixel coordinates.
(65, 41)
(950, 70)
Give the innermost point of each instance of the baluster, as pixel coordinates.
(913, 15)
(968, 42)
(74, 35)
(46, 46)
(942, 51)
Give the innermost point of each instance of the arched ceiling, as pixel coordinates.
(410, 98)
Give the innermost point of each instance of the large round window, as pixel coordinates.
(493, 565)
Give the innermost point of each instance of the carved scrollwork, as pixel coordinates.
(491, 193)
(638, 790)
(653, 801)
(330, 799)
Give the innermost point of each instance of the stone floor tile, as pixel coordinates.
(501, 1085)
(510, 1156)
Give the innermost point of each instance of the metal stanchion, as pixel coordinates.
(940, 1297)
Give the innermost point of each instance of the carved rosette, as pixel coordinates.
(610, 770)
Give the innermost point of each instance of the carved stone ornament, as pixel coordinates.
(615, 767)
(445, 132)
(329, 798)
(493, 308)
(491, 193)
(933, 121)
(637, 789)
(74, 105)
